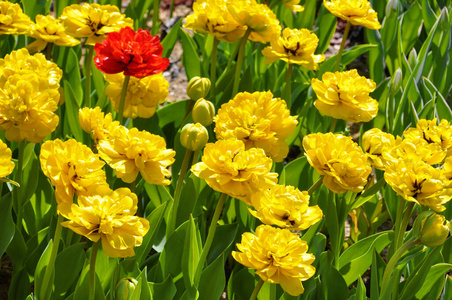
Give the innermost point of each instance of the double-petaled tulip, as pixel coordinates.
(376, 142)
(12, 19)
(357, 12)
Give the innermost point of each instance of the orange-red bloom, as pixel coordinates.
(137, 54)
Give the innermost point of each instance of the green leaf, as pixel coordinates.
(72, 108)
(170, 39)
(142, 291)
(40, 270)
(223, 239)
(20, 285)
(360, 290)
(68, 265)
(155, 218)
(326, 26)
(411, 23)
(82, 288)
(356, 259)
(163, 291)
(170, 258)
(347, 57)
(447, 289)
(377, 270)
(334, 285)
(428, 15)
(241, 283)
(190, 56)
(376, 58)
(35, 7)
(190, 256)
(6, 222)
(435, 274)
(213, 280)
(296, 173)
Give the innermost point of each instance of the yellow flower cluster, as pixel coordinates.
(49, 30)
(285, 207)
(72, 169)
(357, 12)
(417, 167)
(93, 21)
(345, 96)
(96, 123)
(213, 17)
(296, 46)
(341, 161)
(259, 120)
(12, 19)
(109, 217)
(278, 255)
(143, 94)
(228, 168)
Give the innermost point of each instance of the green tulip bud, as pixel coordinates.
(125, 288)
(396, 82)
(203, 112)
(194, 136)
(198, 87)
(412, 58)
(432, 229)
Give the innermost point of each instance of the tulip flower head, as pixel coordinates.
(375, 142)
(12, 19)
(259, 120)
(296, 46)
(339, 159)
(137, 54)
(96, 123)
(357, 12)
(109, 218)
(345, 96)
(228, 168)
(6, 165)
(293, 5)
(72, 168)
(278, 256)
(432, 133)
(93, 21)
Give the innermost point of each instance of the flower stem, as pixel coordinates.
(195, 157)
(122, 100)
(88, 62)
(257, 289)
(49, 50)
(18, 199)
(287, 91)
(333, 125)
(238, 66)
(173, 214)
(392, 262)
(210, 235)
(92, 270)
(397, 227)
(315, 185)
(341, 48)
(404, 224)
(155, 18)
(213, 70)
(51, 264)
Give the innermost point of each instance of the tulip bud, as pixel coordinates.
(412, 58)
(125, 288)
(194, 136)
(203, 112)
(396, 82)
(198, 87)
(433, 229)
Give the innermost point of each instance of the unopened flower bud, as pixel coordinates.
(433, 229)
(412, 58)
(396, 82)
(203, 112)
(125, 288)
(194, 136)
(198, 87)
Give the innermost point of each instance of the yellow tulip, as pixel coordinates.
(357, 12)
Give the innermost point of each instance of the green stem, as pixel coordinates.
(257, 289)
(238, 66)
(51, 264)
(341, 48)
(210, 235)
(333, 125)
(315, 185)
(405, 221)
(195, 157)
(155, 17)
(18, 199)
(213, 70)
(397, 228)
(122, 100)
(173, 214)
(171, 9)
(49, 49)
(133, 186)
(287, 91)
(393, 261)
(391, 112)
(88, 62)
(92, 270)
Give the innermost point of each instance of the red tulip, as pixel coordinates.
(137, 54)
